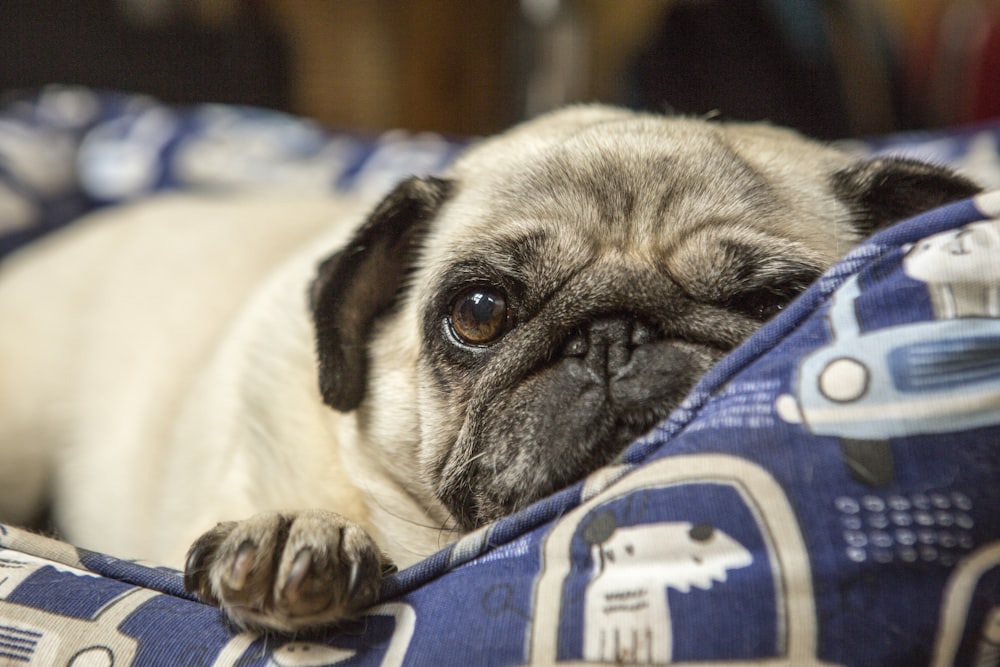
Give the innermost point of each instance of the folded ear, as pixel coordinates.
(360, 282)
(886, 190)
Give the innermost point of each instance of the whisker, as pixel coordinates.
(446, 530)
(434, 525)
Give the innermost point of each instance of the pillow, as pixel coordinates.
(66, 150)
(828, 494)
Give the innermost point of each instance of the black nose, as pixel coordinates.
(606, 346)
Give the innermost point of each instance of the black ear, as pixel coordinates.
(360, 282)
(886, 190)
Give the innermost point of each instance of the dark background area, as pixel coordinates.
(832, 68)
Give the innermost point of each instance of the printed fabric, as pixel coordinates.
(828, 495)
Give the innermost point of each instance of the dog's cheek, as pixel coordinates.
(557, 426)
(540, 436)
(442, 403)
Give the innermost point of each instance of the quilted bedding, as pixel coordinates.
(828, 494)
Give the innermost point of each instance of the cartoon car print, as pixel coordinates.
(937, 376)
(52, 639)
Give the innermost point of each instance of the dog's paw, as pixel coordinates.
(287, 571)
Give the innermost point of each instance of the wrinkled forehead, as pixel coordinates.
(663, 198)
(615, 195)
(617, 173)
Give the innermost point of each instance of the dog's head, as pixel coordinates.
(562, 288)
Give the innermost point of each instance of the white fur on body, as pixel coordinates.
(151, 416)
(157, 365)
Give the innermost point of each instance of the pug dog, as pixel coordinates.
(311, 393)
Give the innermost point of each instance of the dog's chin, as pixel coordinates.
(561, 459)
(558, 425)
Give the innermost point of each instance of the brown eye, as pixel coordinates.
(479, 315)
(765, 302)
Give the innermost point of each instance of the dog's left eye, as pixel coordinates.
(763, 304)
(479, 315)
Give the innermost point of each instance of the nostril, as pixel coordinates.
(609, 342)
(577, 345)
(641, 334)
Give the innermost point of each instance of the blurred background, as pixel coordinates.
(832, 68)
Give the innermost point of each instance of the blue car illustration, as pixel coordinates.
(928, 377)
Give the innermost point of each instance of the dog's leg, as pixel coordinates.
(287, 571)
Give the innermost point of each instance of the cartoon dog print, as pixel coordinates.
(626, 611)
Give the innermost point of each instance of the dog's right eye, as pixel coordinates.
(480, 316)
